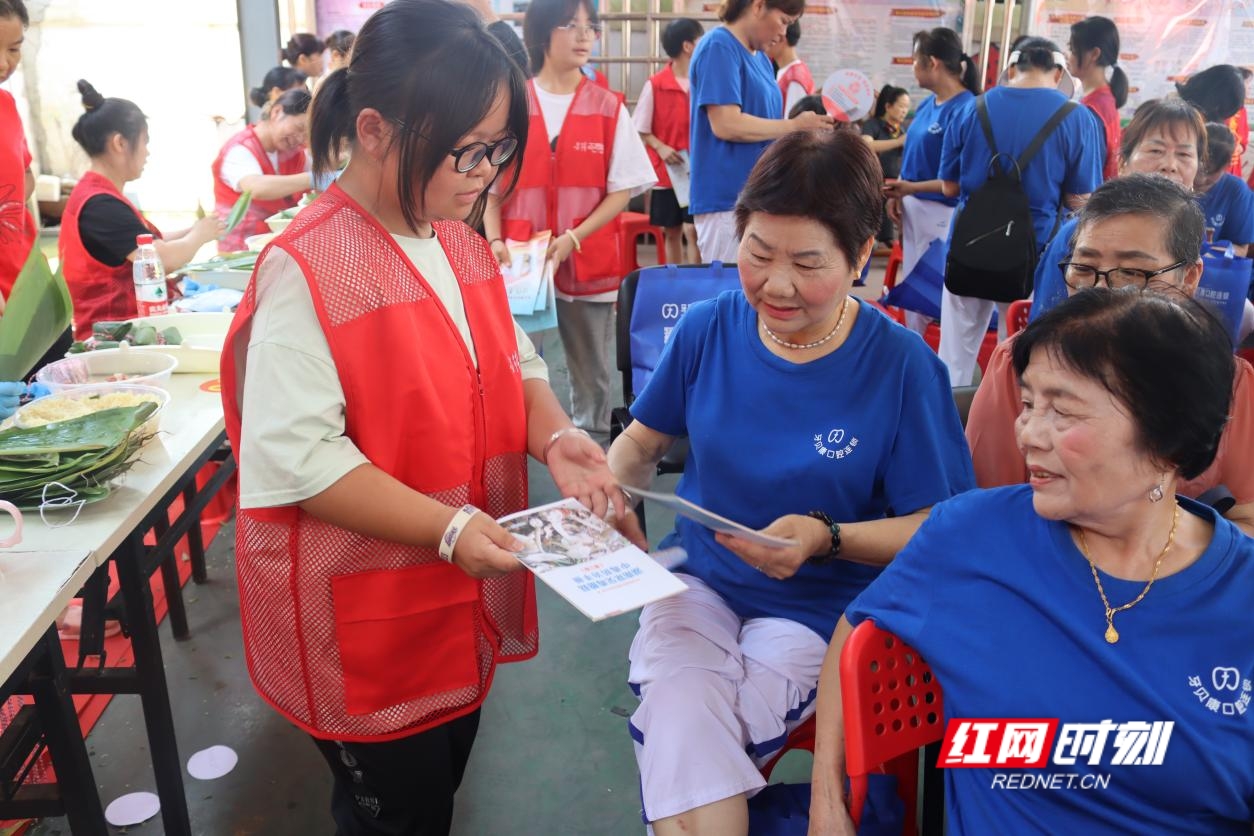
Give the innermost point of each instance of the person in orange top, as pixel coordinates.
(377, 591)
(662, 117)
(1094, 48)
(100, 225)
(17, 183)
(1138, 231)
(1239, 124)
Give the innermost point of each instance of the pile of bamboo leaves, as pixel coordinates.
(83, 454)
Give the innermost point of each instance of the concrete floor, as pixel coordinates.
(552, 757)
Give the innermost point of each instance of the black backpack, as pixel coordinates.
(992, 252)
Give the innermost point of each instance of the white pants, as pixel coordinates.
(587, 331)
(716, 236)
(964, 321)
(1247, 322)
(719, 697)
(922, 222)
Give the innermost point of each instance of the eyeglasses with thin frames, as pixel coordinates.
(592, 31)
(467, 157)
(1082, 276)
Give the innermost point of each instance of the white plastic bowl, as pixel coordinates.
(24, 414)
(142, 368)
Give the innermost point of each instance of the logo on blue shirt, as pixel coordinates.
(835, 438)
(936, 128)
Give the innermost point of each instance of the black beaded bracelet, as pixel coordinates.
(834, 528)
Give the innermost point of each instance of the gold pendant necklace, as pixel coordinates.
(1112, 635)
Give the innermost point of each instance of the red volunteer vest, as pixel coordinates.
(558, 189)
(670, 119)
(799, 73)
(100, 293)
(224, 197)
(353, 638)
(1102, 102)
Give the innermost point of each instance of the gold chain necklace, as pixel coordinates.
(1112, 635)
(799, 346)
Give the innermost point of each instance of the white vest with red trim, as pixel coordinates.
(557, 189)
(100, 292)
(224, 197)
(353, 638)
(670, 119)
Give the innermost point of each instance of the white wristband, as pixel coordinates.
(448, 540)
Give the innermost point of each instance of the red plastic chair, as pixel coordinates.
(893, 706)
(1017, 316)
(894, 264)
(932, 338)
(635, 225)
(801, 738)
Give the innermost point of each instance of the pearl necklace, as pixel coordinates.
(800, 346)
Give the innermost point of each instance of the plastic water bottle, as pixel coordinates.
(150, 290)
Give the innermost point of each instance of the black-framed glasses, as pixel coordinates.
(470, 155)
(1082, 276)
(592, 31)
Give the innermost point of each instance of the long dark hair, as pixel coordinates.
(1218, 92)
(946, 47)
(302, 43)
(888, 94)
(102, 118)
(280, 77)
(1102, 34)
(399, 67)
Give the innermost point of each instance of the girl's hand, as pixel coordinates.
(560, 248)
(897, 189)
(894, 210)
(500, 251)
(485, 550)
(579, 469)
(781, 562)
(668, 154)
(208, 228)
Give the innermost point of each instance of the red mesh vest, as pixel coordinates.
(224, 197)
(799, 73)
(353, 638)
(558, 189)
(100, 293)
(670, 119)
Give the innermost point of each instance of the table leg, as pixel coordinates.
(50, 687)
(170, 580)
(194, 541)
(158, 716)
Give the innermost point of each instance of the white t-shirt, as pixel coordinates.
(630, 168)
(239, 163)
(643, 117)
(298, 451)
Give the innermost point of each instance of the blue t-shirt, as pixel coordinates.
(1229, 209)
(1050, 289)
(1070, 161)
(723, 72)
(921, 157)
(1002, 605)
(866, 431)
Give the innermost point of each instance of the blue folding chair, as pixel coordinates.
(650, 303)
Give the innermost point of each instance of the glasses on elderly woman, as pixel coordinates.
(1082, 276)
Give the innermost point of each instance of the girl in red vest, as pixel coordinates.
(1094, 49)
(17, 183)
(99, 227)
(376, 597)
(267, 159)
(583, 165)
(661, 117)
(791, 74)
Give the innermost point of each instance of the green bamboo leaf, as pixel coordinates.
(238, 211)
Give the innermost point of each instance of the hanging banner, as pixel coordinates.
(1160, 41)
(333, 15)
(874, 37)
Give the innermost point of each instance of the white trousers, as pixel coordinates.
(922, 222)
(716, 236)
(964, 321)
(718, 697)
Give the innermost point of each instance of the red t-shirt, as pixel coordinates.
(1102, 102)
(17, 225)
